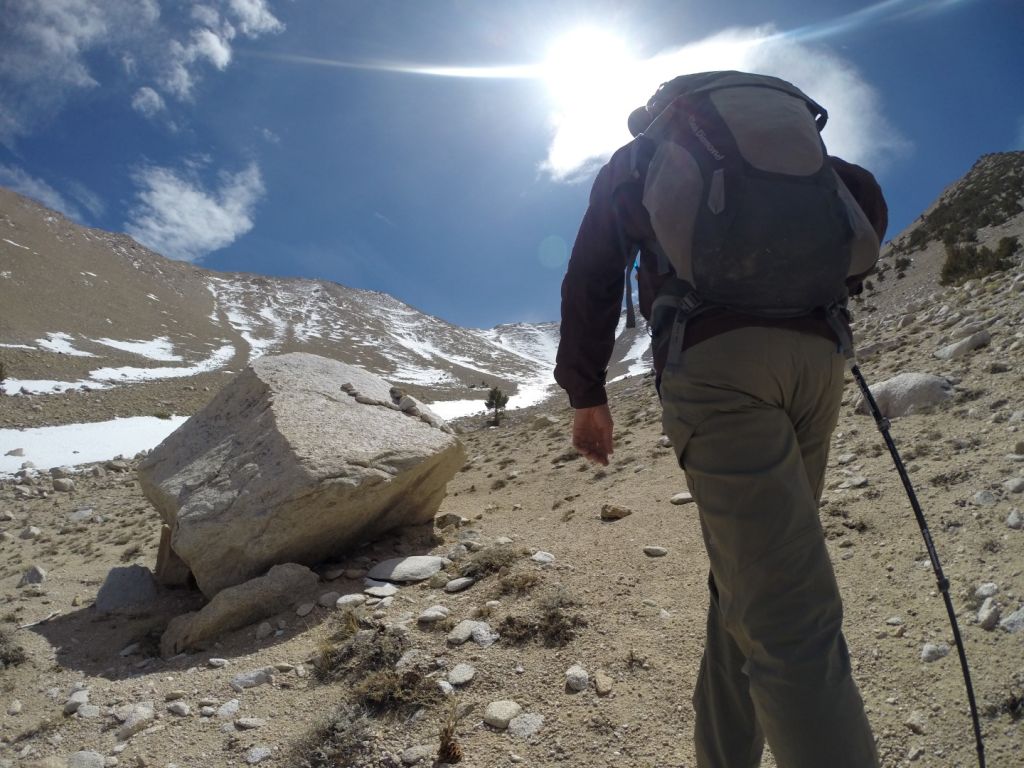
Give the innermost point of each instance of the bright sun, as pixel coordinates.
(584, 63)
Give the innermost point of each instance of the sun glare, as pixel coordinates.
(584, 61)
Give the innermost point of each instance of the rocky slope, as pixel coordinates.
(564, 586)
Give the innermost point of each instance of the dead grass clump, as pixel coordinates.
(11, 654)
(488, 561)
(388, 692)
(352, 650)
(518, 583)
(552, 625)
(339, 740)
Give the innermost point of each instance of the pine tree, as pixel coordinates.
(496, 401)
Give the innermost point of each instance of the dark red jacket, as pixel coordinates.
(614, 227)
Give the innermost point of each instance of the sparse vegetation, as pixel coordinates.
(339, 740)
(351, 650)
(968, 262)
(496, 402)
(551, 625)
(390, 691)
(11, 654)
(488, 561)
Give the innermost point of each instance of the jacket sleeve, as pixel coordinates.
(592, 293)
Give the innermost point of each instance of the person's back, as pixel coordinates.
(750, 400)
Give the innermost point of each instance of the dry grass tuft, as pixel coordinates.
(11, 654)
(488, 561)
(387, 691)
(339, 740)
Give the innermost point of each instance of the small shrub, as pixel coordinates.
(163, 414)
(968, 262)
(496, 401)
(388, 691)
(488, 561)
(519, 583)
(346, 652)
(339, 740)
(11, 654)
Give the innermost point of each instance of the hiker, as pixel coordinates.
(750, 238)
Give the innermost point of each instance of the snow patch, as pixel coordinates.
(62, 344)
(18, 245)
(159, 348)
(46, 386)
(218, 359)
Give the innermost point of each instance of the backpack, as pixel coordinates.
(743, 201)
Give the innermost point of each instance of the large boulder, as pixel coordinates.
(296, 460)
(906, 393)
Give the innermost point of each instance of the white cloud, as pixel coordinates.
(178, 217)
(92, 202)
(17, 179)
(588, 130)
(147, 102)
(50, 48)
(254, 18)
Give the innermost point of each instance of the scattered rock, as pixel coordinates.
(329, 599)
(459, 584)
(76, 700)
(915, 722)
(179, 708)
(64, 485)
(138, 718)
(421, 753)
(238, 606)
(257, 754)
(934, 651)
(461, 674)
(499, 713)
(988, 614)
(683, 497)
(228, 709)
(249, 723)
(407, 569)
(984, 499)
(30, 533)
(128, 591)
(654, 551)
(380, 589)
(1014, 485)
(252, 679)
(348, 602)
(576, 678)
(34, 575)
(525, 726)
(433, 614)
(305, 609)
(614, 512)
(906, 393)
(85, 759)
(1015, 520)
(479, 631)
(960, 348)
(542, 557)
(1014, 622)
(603, 683)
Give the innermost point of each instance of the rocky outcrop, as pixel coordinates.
(296, 460)
(906, 393)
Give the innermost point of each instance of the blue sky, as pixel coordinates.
(442, 151)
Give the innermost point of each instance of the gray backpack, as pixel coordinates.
(744, 203)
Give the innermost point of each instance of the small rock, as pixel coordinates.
(329, 599)
(934, 651)
(459, 584)
(602, 683)
(857, 481)
(653, 551)
(433, 614)
(988, 614)
(499, 713)
(576, 678)
(915, 722)
(1014, 622)
(664, 441)
(217, 663)
(228, 709)
(15, 707)
(257, 754)
(85, 759)
(525, 725)
(684, 497)
(76, 700)
(461, 674)
(34, 575)
(450, 519)
(962, 347)
(138, 719)
(64, 485)
(175, 695)
(381, 590)
(988, 589)
(249, 723)
(1014, 485)
(15, 452)
(252, 679)
(407, 569)
(614, 512)
(179, 708)
(419, 754)
(348, 602)
(542, 557)
(264, 630)
(305, 609)
(30, 533)
(1014, 520)
(984, 499)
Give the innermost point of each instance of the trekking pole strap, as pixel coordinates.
(943, 583)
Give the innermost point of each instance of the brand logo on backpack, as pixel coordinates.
(704, 140)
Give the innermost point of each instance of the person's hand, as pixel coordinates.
(592, 433)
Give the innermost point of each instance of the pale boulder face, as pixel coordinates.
(906, 393)
(296, 460)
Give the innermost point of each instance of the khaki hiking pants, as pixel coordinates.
(750, 413)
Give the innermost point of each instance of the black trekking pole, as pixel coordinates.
(883, 426)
